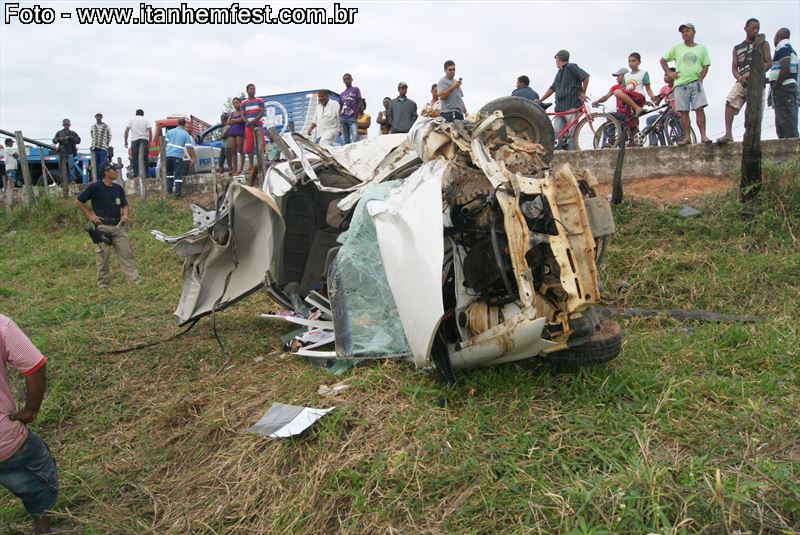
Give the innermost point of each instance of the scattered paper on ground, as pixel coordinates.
(332, 390)
(282, 421)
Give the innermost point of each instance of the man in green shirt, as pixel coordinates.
(691, 62)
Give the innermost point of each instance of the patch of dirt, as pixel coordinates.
(672, 189)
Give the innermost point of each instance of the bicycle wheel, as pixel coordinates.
(674, 129)
(586, 137)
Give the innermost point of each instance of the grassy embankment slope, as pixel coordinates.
(693, 429)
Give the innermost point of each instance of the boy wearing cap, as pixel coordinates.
(691, 62)
(68, 147)
(629, 102)
(109, 213)
(101, 138)
(402, 111)
(570, 86)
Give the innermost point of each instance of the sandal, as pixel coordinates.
(684, 142)
(725, 139)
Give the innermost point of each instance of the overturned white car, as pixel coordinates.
(454, 246)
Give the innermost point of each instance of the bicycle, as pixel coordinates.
(667, 129)
(582, 137)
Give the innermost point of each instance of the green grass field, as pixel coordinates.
(694, 428)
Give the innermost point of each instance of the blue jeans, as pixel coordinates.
(561, 122)
(349, 130)
(174, 175)
(451, 116)
(12, 176)
(100, 157)
(72, 172)
(30, 474)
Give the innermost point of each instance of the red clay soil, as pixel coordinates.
(672, 189)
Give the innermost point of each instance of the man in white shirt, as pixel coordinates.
(10, 155)
(326, 120)
(141, 136)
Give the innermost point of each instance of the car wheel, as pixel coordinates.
(604, 345)
(523, 115)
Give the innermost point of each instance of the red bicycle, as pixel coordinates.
(582, 129)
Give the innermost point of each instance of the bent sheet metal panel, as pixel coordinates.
(256, 233)
(410, 229)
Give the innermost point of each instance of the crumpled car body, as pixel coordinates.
(454, 246)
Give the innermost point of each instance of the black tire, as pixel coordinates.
(671, 128)
(585, 135)
(523, 115)
(604, 345)
(608, 135)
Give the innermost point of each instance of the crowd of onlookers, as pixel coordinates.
(683, 91)
(346, 120)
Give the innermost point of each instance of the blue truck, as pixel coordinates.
(49, 154)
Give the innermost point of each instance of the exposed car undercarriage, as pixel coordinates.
(455, 246)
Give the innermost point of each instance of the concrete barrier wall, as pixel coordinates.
(641, 162)
(701, 160)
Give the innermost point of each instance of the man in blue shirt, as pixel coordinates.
(178, 140)
(524, 90)
(783, 77)
(109, 213)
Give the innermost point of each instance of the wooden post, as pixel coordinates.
(22, 165)
(750, 183)
(62, 161)
(258, 141)
(43, 185)
(62, 169)
(616, 190)
(214, 175)
(162, 167)
(93, 172)
(9, 193)
(144, 157)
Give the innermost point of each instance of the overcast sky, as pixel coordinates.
(48, 72)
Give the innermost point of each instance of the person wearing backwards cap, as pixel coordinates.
(569, 86)
(691, 62)
(109, 213)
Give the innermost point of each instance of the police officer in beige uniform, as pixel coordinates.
(110, 215)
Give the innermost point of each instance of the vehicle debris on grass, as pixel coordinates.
(455, 246)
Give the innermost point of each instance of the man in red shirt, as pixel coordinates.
(27, 467)
(629, 103)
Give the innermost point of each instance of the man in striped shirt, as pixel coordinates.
(101, 139)
(253, 108)
(27, 468)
